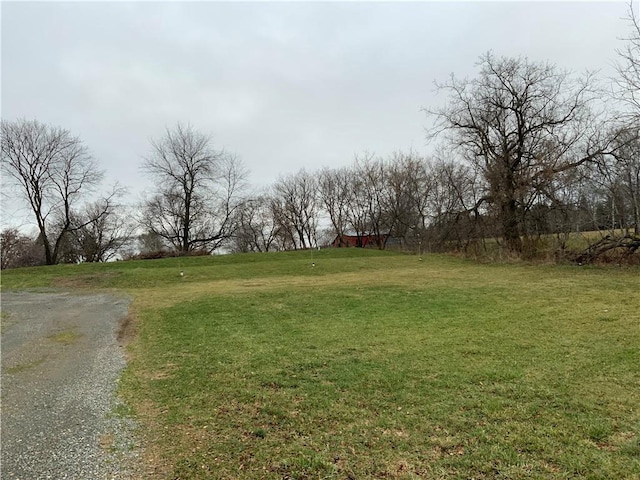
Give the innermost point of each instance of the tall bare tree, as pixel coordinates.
(197, 190)
(296, 208)
(407, 190)
(53, 169)
(628, 67)
(104, 229)
(372, 175)
(257, 229)
(629, 165)
(335, 189)
(522, 123)
(628, 82)
(617, 177)
(454, 206)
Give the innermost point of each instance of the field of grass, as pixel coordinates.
(376, 365)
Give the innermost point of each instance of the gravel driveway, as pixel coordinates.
(60, 366)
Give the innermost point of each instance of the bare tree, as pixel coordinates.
(628, 83)
(296, 209)
(19, 250)
(628, 67)
(226, 200)
(406, 193)
(358, 205)
(371, 183)
(522, 123)
(335, 189)
(617, 177)
(52, 169)
(454, 206)
(628, 157)
(375, 197)
(197, 190)
(104, 229)
(257, 229)
(149, 242)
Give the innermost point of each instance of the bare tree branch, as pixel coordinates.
(197, 191)
(53, 170)
(521, 123)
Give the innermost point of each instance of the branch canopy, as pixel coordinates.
(196, 192)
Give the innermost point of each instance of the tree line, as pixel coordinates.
(527, 154)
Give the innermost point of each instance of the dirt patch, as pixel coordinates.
(126, 329)
(85, 281)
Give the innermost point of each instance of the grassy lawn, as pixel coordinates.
(375, 365)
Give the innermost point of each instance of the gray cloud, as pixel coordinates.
(282, 85)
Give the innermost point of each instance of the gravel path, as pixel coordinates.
(60, 365)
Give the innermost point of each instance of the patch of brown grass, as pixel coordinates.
(67, 337)
(154, 463)
(83, 281)
(126, 329)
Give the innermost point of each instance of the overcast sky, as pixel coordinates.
(282, 85)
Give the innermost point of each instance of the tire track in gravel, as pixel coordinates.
(60, 367)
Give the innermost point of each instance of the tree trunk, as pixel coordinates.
(49, 257)
(48, 254)
(510, 227)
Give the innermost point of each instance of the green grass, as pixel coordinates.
(140, 274)
(66, 337)
(22, 367)
(374, 365)
(5, 322)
